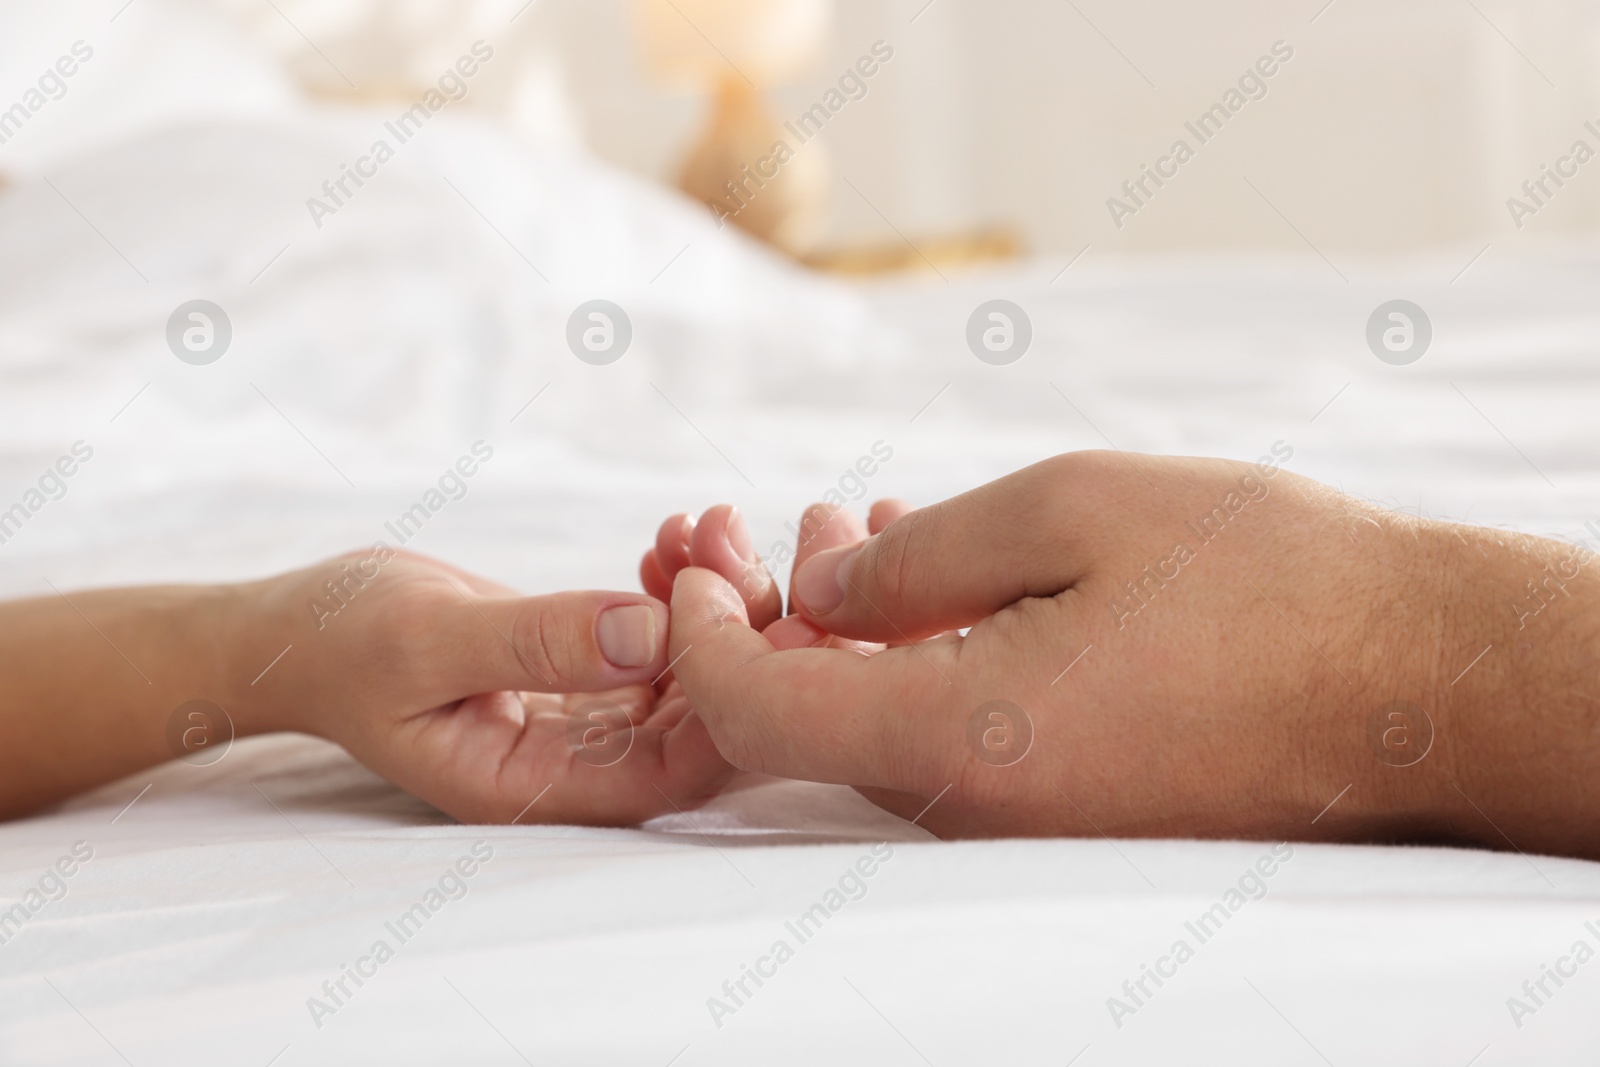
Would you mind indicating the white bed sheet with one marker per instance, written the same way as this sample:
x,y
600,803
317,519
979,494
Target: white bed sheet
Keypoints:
x,y
423,318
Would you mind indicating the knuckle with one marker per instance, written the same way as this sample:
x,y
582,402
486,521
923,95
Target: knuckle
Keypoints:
x,y
1060,480
1074,475
1056,499
543,645
1065,492
893,567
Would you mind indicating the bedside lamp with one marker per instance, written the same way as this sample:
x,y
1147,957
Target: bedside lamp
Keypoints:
x,y
745,166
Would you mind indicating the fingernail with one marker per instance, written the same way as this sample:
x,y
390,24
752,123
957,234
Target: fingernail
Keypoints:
x,y
627,635
820,585
739,537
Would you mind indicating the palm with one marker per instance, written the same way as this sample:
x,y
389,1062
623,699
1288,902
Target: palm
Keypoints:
x,y
608,758
436,665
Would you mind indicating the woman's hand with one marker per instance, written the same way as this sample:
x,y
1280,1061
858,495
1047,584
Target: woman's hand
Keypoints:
x,y
492,706
1175,647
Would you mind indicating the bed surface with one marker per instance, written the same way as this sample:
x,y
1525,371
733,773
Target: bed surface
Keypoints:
x,y
371,352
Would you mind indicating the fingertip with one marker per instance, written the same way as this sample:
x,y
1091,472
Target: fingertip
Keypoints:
x,y
722,544
672,543
653,578
885,511
634,635
700,594
813,520
825,525
712,546
820,582
792,631
711,634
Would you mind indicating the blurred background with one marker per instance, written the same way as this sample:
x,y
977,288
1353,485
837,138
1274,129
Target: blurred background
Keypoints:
x,y
807,213
995,127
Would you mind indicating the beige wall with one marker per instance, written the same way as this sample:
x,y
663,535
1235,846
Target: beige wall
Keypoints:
x,y
1397,124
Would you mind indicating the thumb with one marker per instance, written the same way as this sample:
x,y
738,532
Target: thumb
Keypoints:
x,y
1029,534
573,642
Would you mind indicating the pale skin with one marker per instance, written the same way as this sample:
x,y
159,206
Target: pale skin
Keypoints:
x,y
1234,695
451,686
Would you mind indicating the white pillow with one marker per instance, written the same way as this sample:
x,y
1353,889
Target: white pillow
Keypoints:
x,y
133,69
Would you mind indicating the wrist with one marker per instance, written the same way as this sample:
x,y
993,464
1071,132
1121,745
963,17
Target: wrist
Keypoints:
x,y
1521,718
232,625
1434,719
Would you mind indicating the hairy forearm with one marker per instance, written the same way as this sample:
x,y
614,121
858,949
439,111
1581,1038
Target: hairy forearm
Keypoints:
x,y
1526,716
90,680
1472,715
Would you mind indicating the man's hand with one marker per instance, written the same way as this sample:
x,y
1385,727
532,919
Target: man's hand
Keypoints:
x,y
1175,647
